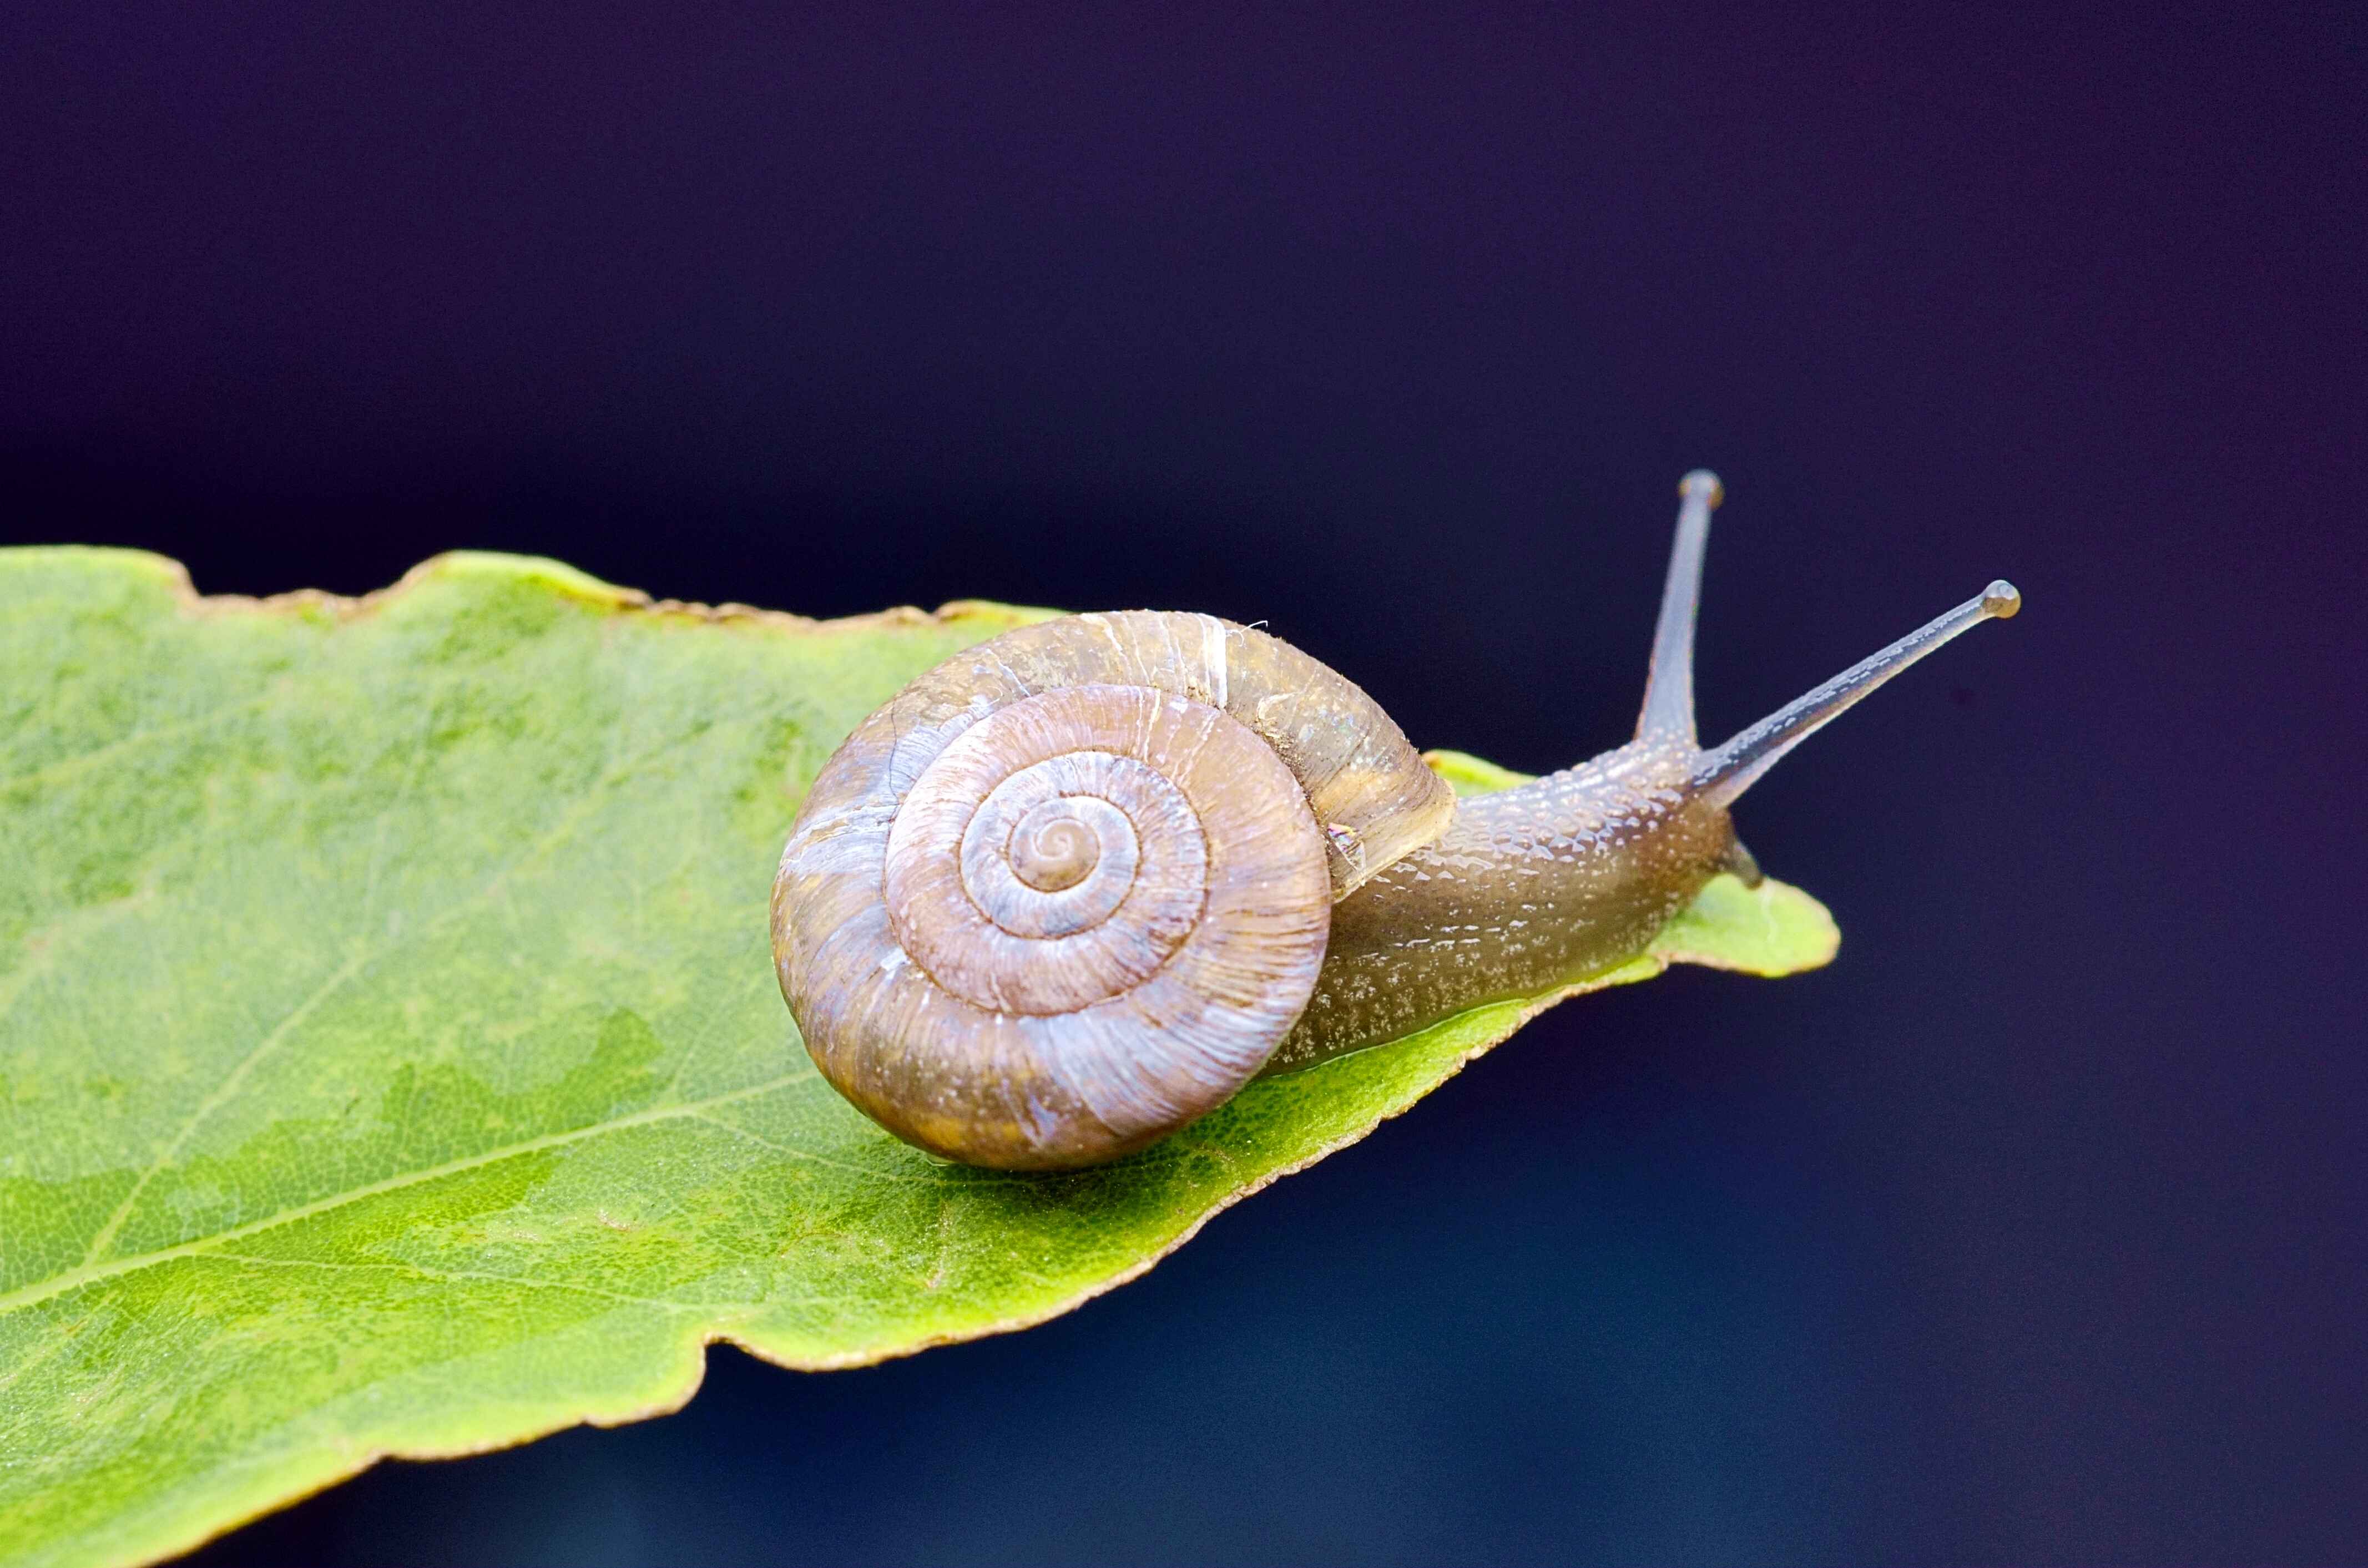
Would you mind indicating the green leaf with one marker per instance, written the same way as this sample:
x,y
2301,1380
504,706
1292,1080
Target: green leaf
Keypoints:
x,y
390,1060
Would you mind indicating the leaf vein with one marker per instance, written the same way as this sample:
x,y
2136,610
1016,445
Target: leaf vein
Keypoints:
x,y
223,1093
867,1173
455,1276
49,771
73,1278
543,843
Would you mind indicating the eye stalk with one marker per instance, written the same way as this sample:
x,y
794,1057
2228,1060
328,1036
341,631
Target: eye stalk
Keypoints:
x,y
1728,770
1723,773
1668,715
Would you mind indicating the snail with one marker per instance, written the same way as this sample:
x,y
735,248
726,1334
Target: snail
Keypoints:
x,y
1075,887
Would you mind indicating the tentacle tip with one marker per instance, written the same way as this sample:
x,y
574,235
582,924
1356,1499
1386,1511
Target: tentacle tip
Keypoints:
x,y
2000,600
1703,484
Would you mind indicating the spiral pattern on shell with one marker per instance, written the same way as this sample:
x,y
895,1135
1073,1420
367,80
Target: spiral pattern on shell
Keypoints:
x,y
1067,890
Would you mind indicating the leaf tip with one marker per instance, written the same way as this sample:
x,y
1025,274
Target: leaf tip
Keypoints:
x,y
1772,930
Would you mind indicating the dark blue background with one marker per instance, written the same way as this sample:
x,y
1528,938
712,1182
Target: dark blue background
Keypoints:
x,y
2031,1230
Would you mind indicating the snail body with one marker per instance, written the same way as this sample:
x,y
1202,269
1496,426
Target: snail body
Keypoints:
x,y
1073,888
1529,888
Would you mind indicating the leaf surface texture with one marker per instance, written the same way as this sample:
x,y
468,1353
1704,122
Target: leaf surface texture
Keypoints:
x,y
390,1060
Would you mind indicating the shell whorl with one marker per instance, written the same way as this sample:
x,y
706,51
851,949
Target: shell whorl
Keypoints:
x,y
1067,890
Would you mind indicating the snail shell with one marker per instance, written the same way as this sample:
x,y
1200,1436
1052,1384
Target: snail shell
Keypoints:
x,y
1067,890
1071,889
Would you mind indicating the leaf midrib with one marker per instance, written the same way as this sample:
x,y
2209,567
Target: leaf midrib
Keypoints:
x,y
73,1278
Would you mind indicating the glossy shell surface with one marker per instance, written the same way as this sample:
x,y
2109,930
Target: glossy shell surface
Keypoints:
x,y
1067,890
